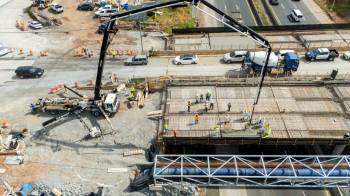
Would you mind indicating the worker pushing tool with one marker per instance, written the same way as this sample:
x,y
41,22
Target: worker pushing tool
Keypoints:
x,y
188,106
207,96
229,106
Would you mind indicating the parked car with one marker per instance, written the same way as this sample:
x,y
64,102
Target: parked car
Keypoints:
x,y
105,7
4,51
274,2
321,54
35,25
57,8
346,55
137,60
236,56
86,6
296,15
186,59
29,72
106,12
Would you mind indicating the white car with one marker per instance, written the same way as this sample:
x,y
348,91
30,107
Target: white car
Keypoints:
x,y
296,15
4,51
106,12
57,8
346,55
35,25
105,7
236,56
186,59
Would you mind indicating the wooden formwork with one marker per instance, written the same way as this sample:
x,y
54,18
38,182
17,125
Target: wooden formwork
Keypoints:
x,y
294,112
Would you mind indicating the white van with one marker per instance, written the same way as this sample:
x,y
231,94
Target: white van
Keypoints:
x,y
296,15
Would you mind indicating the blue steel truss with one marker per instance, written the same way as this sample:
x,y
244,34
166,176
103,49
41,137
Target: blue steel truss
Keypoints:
x,y
253,170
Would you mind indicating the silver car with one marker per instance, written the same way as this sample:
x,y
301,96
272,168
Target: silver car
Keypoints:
x,y
35,25
186,59
236,56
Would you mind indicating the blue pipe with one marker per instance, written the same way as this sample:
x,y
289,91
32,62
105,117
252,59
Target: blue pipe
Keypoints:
x,y
252,172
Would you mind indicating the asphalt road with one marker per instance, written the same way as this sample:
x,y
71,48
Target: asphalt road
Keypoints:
x,y
285,8
235,8
72,70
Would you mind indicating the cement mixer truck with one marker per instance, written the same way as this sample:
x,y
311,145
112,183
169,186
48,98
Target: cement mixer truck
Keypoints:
x,y
288,64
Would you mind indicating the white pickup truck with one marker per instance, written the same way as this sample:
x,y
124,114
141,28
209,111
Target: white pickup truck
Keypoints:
x,y
106,12
322,54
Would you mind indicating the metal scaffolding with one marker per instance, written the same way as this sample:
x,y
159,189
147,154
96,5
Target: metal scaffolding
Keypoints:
x,y
253,170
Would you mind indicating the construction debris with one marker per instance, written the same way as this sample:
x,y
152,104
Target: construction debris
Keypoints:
x,y
133,152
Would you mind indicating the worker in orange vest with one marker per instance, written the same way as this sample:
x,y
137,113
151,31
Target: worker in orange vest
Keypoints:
x,y
196,119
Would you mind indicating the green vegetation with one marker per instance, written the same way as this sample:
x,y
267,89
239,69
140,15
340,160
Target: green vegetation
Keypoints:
x,y
169,18
261,11
341,7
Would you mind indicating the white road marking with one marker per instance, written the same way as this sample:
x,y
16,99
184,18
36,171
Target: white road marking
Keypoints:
x,y
225,7
283,6
237,7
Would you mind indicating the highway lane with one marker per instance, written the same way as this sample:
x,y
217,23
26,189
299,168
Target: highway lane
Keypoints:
x,y
236,9
284,9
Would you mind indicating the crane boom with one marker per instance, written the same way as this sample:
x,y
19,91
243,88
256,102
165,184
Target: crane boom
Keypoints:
x,y
225,19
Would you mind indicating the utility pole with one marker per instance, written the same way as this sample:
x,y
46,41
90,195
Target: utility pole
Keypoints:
x,y
332,6
141,37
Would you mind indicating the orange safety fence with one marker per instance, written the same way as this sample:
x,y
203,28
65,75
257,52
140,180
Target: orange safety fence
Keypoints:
x,y
56,88
4,123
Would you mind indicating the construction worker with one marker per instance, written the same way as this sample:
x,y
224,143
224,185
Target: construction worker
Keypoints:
x,y
227,119
229,106
211,106
188,106
166,127
207,96
217,130
201,98
196,119
114,53
268,130
206,106
197,97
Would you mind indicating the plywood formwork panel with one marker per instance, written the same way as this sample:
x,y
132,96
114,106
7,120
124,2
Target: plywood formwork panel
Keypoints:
x,y
179,106
287,105
275,121
319,123
186,122
294,122
343,92
318,107
242,92
230,92
189,93
347,106
237,105
311,92
281,92
190,134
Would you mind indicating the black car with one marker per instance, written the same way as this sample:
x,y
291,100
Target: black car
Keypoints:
x,y
274,2
29,72
86,6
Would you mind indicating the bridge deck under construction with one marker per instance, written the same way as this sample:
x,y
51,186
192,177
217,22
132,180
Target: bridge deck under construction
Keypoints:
x,y
307,114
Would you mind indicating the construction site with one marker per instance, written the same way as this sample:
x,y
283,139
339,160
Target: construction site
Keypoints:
x,y
89,122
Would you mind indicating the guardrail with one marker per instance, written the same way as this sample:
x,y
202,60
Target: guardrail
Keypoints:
x,y
309,27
